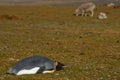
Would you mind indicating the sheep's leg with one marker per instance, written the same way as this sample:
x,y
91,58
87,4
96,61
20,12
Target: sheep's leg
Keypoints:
x,y
77,14
82,13
92,13
85,14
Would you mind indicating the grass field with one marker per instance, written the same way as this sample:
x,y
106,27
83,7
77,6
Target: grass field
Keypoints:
x,y
90,47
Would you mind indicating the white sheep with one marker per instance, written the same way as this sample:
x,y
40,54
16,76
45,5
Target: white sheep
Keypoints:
x,y
85,9
102,15
110,5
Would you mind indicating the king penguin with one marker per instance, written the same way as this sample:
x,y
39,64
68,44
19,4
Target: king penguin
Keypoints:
x,y
35,65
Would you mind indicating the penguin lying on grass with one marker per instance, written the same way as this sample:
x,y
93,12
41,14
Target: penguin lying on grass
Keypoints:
x,y
35,65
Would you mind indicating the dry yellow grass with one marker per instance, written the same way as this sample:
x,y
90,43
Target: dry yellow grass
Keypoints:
x,y
91,47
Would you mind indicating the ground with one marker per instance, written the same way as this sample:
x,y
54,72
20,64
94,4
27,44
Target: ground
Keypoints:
x,y
89,46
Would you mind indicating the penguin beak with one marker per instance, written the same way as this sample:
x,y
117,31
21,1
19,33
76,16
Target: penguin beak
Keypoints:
x,y
60,66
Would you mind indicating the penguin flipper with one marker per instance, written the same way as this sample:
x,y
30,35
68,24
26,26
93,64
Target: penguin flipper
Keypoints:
x,y
41,70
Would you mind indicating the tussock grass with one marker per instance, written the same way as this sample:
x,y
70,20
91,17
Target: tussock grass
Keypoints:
x,y
91,47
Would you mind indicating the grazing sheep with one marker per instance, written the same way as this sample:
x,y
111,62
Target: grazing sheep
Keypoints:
x,y
85,9
110,5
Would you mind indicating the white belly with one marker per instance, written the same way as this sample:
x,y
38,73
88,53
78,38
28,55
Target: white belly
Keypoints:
x,y
30,71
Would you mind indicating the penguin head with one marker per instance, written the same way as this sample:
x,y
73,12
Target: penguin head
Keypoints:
x,y
59,66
